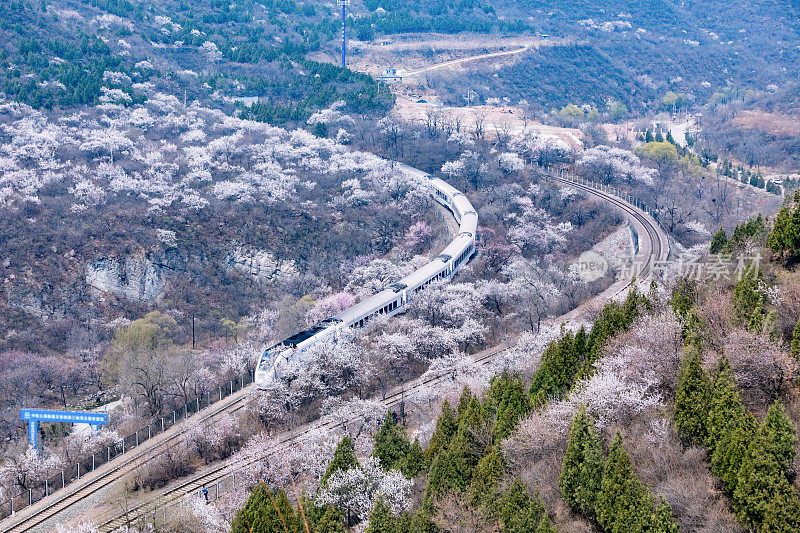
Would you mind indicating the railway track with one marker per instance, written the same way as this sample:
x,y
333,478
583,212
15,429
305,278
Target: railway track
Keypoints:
x,y
213,475
91,483
658,238
657,250
44,511
36,515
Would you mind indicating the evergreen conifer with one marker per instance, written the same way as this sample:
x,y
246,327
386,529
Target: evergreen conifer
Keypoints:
x,y
691,398
582,470
344,458
391,444
623,502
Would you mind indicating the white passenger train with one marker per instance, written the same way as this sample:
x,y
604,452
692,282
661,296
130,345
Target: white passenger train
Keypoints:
x,y
396,296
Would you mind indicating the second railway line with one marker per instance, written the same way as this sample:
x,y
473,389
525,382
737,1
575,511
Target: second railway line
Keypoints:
x,y
658,248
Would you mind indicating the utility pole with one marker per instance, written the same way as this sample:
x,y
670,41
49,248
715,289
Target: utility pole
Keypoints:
x,y
343,4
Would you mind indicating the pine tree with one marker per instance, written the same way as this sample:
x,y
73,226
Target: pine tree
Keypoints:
x,y
760,481
781,435
546,525
418,522
463,402
783,512
264,512
344,458
725,407
513,501
691,398
391,444
534,517
613,319
582,468
623,502
327,519
683,297
648,137
508,396
796,341
784,239
731,450
381,519
472,415
661,520
543,386
580,346
557,369
718,242
488,474
519,513
631,307
414,462
446,426
453,468
749,301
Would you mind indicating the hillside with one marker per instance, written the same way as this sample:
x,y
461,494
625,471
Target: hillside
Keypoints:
x,y
58,53
196,197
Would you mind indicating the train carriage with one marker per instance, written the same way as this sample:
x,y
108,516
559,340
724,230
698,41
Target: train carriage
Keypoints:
x,y
396,296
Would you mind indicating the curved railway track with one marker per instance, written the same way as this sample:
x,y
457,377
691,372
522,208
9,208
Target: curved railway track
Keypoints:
x,y
659,242
46,510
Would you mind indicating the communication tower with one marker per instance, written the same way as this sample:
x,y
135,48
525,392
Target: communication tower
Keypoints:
x,y
343,4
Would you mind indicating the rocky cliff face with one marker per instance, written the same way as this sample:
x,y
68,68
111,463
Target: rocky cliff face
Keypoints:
x,y
142,278
258,264
136,278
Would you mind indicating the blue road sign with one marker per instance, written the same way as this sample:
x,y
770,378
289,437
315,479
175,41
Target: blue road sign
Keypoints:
x,y
34,416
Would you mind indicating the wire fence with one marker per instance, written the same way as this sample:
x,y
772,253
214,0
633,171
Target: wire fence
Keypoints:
x,y
90,463
211,493
130,442
569,175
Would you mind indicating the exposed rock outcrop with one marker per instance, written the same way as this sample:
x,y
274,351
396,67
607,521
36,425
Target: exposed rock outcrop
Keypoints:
x,y
136,278
259,264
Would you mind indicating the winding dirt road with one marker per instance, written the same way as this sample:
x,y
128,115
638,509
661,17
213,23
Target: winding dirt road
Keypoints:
x,y
461,61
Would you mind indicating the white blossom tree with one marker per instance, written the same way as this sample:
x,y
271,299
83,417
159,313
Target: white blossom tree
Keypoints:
x,y
510,163
608,165
356,490
28,470
540,149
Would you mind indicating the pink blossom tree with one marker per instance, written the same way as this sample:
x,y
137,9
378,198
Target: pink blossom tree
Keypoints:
x,y
329,306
